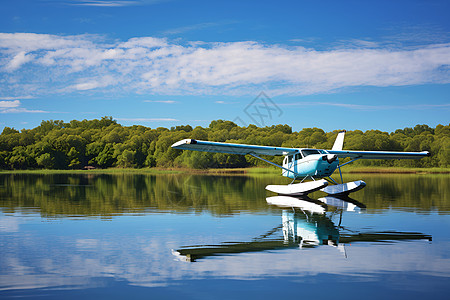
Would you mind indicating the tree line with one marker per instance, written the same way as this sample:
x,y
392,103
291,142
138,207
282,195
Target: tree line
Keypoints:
x,y
104,143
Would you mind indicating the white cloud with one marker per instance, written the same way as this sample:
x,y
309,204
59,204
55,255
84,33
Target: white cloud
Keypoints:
x,y
146,42
18,60
103,3
16,98
93,83
22,110
13,106
111,3
225,102
9,104
155,65
161,101
85,86
16,42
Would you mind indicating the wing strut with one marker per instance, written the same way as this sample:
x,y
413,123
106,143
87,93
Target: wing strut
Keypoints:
x,y
348,162
272,163
340,173
339,167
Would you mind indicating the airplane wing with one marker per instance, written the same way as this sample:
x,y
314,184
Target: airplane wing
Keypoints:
x,y
379,154
242,149
339,142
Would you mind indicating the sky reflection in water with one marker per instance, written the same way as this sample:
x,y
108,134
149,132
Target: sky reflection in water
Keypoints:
x,y
135,235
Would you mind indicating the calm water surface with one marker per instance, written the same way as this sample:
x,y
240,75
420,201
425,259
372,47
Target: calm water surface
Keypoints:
x,y
216,237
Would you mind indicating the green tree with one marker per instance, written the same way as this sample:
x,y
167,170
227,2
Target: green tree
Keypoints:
x,y
443,155
105,158
20,159
74,158
46,161
126,158
150,161
7,130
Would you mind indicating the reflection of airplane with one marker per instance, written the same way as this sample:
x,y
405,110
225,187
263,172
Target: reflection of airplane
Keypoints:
x,y
305,224
341,202
303,163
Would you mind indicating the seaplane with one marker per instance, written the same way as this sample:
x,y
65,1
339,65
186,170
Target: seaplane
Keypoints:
x,y
312,167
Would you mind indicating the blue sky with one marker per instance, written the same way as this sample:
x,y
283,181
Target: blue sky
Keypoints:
x,y
329,64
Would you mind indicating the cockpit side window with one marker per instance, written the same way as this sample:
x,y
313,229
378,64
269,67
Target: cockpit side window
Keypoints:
x,y
309,152
298,156
290,158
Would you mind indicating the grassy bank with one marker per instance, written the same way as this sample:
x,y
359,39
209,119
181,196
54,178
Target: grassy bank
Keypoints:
x,y
345,170
150,171
100,171
235,171
394,170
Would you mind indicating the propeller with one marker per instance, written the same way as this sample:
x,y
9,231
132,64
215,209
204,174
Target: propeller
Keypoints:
x,y
329,158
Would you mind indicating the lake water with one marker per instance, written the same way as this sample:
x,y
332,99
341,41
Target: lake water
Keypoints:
x,y
216,237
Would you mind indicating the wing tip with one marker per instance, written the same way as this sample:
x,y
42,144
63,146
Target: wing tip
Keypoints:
x,y
184,142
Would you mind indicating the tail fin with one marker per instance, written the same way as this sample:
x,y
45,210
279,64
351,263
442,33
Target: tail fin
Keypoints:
x,y
339,142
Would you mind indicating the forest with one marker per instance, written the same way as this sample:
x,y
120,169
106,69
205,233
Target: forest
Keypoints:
x,y
105,143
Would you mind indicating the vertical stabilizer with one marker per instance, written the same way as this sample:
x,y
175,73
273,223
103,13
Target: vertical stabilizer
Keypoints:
x,y
339,142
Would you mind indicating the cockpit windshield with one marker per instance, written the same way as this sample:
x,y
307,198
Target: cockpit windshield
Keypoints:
x,y
307,152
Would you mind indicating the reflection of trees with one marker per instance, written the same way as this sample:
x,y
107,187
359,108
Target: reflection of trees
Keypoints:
x,y
418,192
105,195
111,194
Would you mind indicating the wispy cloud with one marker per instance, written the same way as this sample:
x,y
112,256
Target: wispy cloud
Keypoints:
x,y
92,83
110,3
16,98
161,101
415,34
195,27
18,60
225,102
369,107
66,64
22,110
14,106
104,3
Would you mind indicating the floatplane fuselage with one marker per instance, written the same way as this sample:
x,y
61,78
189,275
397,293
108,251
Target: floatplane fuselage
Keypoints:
x,y
310,163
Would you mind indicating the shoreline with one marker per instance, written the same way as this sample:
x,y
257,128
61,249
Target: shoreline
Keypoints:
x,y
233,171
